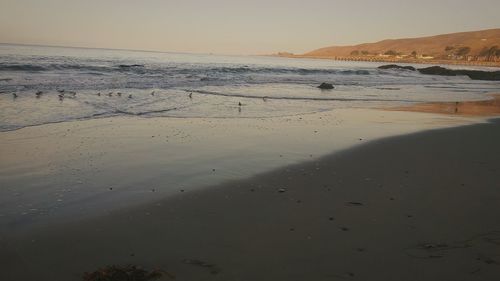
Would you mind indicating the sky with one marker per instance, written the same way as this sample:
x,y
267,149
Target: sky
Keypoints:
x,y
235,26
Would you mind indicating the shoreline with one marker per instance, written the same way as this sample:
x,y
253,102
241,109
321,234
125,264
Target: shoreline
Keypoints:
x,y
431,218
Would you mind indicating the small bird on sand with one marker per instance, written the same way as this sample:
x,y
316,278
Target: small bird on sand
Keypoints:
x,y
60,91
61,97
153,93
239,104
190,95
99,94
38,94
119,94
110,94
129,96
14,95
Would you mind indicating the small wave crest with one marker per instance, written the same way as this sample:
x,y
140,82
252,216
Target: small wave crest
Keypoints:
x,y
301,98
178,69
21,67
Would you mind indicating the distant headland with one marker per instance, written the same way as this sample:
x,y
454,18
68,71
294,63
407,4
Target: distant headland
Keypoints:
x,y
465,48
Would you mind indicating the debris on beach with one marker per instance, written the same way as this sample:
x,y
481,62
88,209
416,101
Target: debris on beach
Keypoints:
x,y
487,260
212,267
282,190
352,203
347,275
326,86
125,273
435,250
432,246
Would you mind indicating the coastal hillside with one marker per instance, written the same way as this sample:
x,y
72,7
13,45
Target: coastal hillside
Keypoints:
x,y
476,45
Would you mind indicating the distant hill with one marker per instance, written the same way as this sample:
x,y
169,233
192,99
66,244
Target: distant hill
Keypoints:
x,y
475,45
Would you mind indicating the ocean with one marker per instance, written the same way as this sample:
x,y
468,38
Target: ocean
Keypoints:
x,y
79,84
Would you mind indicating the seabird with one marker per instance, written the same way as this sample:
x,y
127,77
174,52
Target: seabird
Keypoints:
x,y
239,104
190,95
119,94
38,94
99,94
14,95
110,94
61,96
153,93
129,96
61,91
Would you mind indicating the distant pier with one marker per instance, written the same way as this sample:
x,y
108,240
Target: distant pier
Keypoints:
x,y
400,60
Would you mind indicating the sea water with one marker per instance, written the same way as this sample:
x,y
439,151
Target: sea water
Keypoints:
x,y
78,83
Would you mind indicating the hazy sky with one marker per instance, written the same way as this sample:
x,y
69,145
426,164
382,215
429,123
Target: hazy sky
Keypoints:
x,y
235,26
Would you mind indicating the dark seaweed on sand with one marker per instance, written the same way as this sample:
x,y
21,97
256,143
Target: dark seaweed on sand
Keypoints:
x,y
123,273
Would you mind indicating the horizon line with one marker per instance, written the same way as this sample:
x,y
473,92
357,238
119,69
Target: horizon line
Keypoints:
x,y
121,49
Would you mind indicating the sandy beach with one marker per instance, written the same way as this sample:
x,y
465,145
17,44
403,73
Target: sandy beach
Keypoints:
x,y
421,206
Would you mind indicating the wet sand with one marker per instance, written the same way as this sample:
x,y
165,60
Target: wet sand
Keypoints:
x,y
70,170
423,206
473,108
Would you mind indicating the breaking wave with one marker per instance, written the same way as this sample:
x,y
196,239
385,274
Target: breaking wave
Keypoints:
x,y
179,69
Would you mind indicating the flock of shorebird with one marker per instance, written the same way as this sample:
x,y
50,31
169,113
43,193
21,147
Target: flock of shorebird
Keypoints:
x,y
63,93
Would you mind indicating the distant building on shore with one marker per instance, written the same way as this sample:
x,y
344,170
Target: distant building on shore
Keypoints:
x,y
425,57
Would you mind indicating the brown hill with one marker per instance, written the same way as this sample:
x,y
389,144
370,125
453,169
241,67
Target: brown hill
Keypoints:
x,y
436,46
